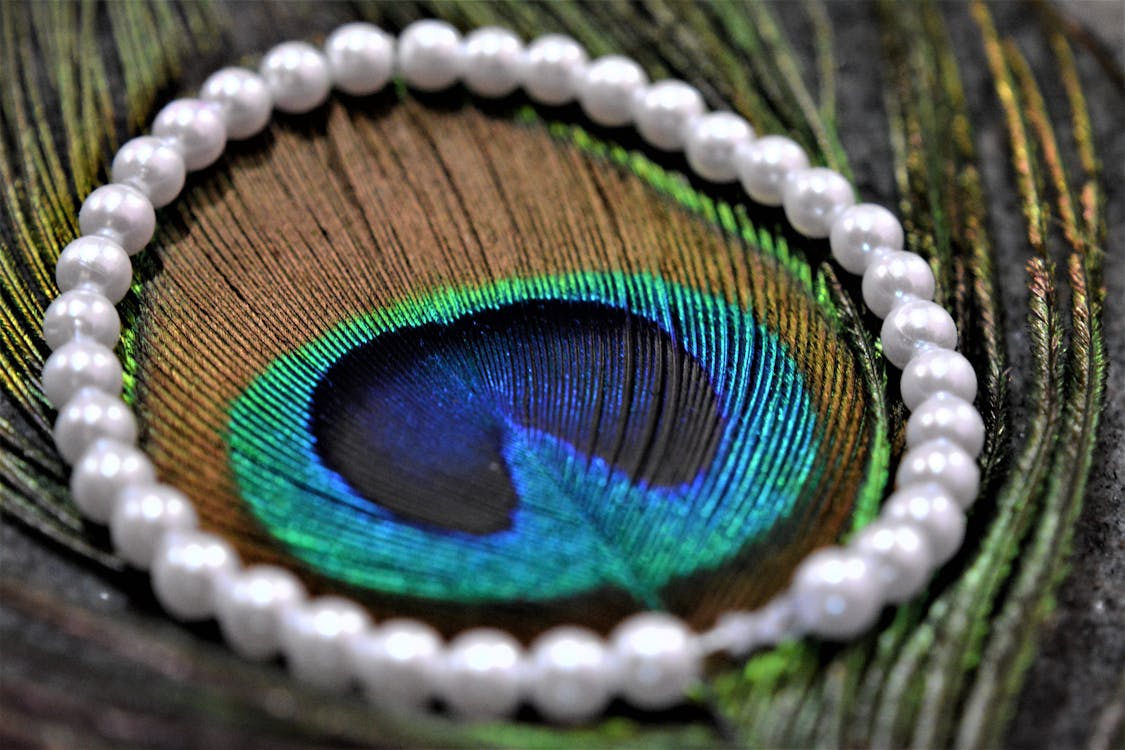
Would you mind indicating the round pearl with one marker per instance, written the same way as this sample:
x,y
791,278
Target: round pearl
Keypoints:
x,y
663,110
361,58
571,674
944,415
894,277
739,633
81,314
397,663
248,606
89,415
80,364
608,88
142,514
942,462
429,54
152,166
195,128
243,98
930,508
105,469
490,61
296,75
120,213
185,566
902,555
861,230
553,66
813,198
913,326
711,142
482,674
657,659
765,164
936,370
314,638
836,593
96,264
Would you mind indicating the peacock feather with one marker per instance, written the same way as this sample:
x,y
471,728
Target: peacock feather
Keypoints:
x,y
474,363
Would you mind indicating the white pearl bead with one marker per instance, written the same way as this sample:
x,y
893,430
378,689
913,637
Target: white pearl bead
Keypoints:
x,y
861,230
195,128
663,110
943,462
80,364
944,415
361,58
553,67
893,277
120,213
813,198
739,633
152,166
429,55
296,74
105,469
608,88
142,514
81,314
248,606
185,566
482,674
912,327
836,593
96,264
711,142
657,659
243,98
490,61
902,555
398,664
571,674
765,164
930,508
935,370
314,638
89,415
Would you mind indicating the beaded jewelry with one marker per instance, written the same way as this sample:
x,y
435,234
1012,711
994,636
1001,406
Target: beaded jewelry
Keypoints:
x,y
569,673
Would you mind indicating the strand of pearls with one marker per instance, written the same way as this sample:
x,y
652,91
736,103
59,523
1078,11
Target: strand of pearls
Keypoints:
x,y
570,673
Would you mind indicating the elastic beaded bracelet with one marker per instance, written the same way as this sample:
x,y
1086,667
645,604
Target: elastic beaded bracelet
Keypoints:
x,y
569,673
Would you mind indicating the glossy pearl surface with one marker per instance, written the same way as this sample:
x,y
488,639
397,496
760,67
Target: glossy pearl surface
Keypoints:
x,y
572,676
491,60
185,567
195,128
398,664
608,89
361,58
90,415
141,516
81,314
860,231
429,55
96,264
902,554
121,213
893,277
80,364
244,101
765,164
711,142
836,593
104,469
249,604
663,110
314,638
152,166
930,508
657,659
296,74
937,370
553,66
482,674
943,462
945,415
813,198
913,326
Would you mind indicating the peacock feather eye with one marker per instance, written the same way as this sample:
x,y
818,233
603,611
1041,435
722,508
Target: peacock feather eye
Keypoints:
x,y
399,392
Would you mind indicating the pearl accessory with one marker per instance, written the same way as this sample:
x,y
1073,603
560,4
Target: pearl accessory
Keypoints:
x,y
569,674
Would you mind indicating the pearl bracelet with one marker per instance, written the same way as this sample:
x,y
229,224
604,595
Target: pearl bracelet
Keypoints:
x,y
569,674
